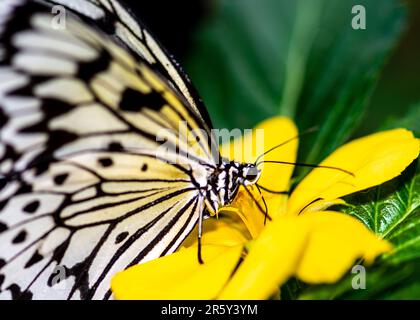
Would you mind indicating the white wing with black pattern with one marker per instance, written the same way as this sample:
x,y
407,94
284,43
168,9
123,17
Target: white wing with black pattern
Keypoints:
x,y
117,21
86,188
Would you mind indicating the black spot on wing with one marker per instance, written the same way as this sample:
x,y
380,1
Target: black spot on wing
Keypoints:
x,y
36,257
59,137
3,204
24,188
3,118
18,294
53,108
19,21
115,146
31,207
144,167
3,227
133,100
88,70
2,263
56,139
20,237
107,23
3,183
105,162
121,237
61,178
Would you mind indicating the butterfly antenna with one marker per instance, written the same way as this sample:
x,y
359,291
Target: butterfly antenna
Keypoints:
x,y
306,206
310,130
272,191
299,164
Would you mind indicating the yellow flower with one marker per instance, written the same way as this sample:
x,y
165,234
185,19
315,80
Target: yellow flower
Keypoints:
x,y
245,259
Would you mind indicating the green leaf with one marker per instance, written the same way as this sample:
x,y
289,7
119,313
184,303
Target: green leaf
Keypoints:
x,y
291,289
255,59
392,211
383,281
411,121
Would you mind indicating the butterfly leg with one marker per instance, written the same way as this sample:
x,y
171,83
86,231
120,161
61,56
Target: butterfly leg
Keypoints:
x,y
200,233
265,204
265,212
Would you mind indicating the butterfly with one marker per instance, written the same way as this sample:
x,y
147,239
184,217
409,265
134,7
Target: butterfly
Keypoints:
x,y
107,156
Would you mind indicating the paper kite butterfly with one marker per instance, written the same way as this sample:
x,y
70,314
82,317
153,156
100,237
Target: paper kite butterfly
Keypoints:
x,y
88,181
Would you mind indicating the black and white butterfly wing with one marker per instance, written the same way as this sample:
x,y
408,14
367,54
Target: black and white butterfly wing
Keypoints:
x,y
101,161
117,21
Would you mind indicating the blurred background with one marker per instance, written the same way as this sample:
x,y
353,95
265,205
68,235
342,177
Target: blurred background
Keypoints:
x,y
244,59
176,23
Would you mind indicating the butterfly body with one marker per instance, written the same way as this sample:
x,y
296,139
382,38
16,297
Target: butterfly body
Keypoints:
x,y
225,180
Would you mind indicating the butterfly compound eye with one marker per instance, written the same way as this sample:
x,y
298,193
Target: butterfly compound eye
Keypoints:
x,y
252,174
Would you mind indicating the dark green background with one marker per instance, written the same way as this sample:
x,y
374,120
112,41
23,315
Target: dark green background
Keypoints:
x,y
176,22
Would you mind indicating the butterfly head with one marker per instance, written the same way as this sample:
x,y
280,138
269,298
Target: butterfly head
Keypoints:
x,y
250,174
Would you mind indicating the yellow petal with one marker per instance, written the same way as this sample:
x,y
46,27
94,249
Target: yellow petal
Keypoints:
x,y
179,275
272,259
318,247
227,230
334,243
373,160
245,208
